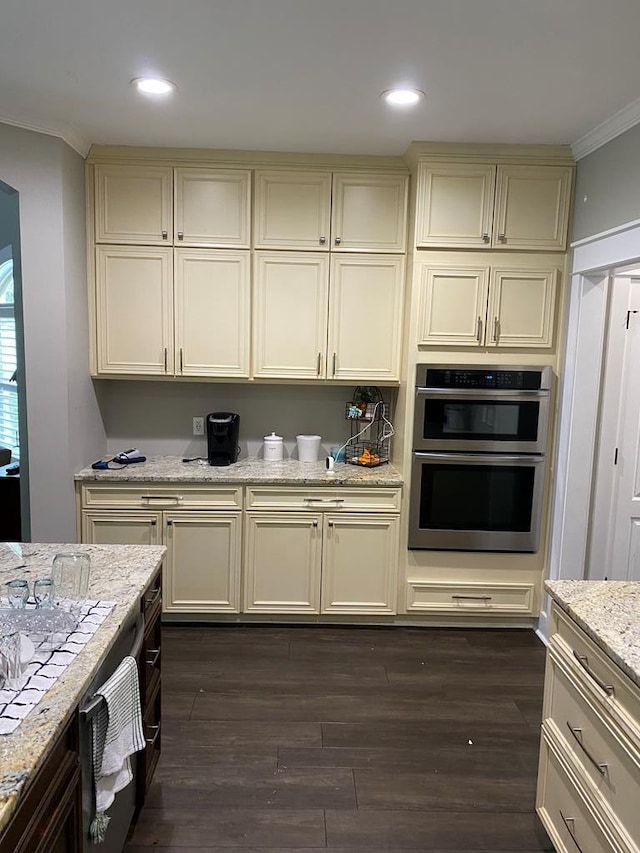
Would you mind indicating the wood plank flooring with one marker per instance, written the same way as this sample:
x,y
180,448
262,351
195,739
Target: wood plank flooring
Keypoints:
x,y
299,739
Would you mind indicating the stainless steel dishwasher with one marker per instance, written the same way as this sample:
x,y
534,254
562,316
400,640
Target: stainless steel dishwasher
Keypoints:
x,y
121,812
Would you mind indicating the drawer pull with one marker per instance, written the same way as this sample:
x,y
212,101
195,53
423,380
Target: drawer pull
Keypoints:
x,y
175,499
584,663
472,597
156,730
577,734
154,594
570,823
325,500
154,659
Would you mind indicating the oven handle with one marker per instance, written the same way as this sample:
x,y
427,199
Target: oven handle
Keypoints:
x,y
481,457
483,393
92,706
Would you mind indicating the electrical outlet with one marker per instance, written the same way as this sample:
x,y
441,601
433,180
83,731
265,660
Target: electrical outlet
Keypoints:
x,y
198,426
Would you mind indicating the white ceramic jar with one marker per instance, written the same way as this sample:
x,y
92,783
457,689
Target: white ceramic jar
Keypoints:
x,y
308,447
273,448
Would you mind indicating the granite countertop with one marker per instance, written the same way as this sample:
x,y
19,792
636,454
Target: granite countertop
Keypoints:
x,y
165,469
118,573
609,612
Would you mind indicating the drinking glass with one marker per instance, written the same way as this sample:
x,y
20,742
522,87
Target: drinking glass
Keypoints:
x,y
17,592
43,591
10,665
70,575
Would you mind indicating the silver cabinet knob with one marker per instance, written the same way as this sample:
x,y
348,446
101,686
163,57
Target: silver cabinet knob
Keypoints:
x,y
180,235
502,238
338,240
323,240
486,238
164,235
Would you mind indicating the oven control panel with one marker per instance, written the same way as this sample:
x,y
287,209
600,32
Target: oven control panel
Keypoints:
x,y
504,379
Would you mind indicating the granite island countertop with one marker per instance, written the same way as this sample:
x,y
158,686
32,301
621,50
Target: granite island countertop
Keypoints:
x,y
119,573
171,469
609,612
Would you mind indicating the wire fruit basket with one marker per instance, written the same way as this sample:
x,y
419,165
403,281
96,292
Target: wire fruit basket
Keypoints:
x,y
369,454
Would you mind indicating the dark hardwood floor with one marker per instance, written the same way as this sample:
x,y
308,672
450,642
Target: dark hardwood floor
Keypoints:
x,y
355,739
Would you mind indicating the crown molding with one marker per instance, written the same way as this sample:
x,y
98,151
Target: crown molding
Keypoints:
x,y
73,139
618,123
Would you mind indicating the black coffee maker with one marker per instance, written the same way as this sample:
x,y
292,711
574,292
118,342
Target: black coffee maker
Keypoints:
x,y
222,437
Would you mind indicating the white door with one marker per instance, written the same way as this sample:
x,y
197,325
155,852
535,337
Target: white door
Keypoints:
x,y
292,210
212,207
133,204
369,213
453,305
625,531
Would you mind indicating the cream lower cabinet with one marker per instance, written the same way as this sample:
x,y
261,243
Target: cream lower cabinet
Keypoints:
x,y
589,767
310,552
312,320
204,545
469,304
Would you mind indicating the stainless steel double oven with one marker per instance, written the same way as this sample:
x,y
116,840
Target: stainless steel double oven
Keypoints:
x,y
479,444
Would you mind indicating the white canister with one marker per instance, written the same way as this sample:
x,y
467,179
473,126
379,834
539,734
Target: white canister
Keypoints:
x,y
273,448
308,447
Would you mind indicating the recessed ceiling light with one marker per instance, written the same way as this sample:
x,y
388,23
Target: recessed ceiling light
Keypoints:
x,y
402,97
153,85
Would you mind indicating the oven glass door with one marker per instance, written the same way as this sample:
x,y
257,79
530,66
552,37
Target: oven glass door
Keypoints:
x,y
491,423
475,502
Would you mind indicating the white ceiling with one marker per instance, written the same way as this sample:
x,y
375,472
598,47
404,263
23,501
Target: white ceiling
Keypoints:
x,y
305,75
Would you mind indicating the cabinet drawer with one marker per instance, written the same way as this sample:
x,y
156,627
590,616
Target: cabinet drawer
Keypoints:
x,y
158,496
571,824
321,498
148,758
492,599
601,678
605,754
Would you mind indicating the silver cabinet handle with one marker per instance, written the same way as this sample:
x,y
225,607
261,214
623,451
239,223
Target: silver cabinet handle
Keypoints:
x,y
324,500
601,767
472,597
334,364
181,359
330,523
153,522
323,240
584,663
338,240
496,329
154,660
166,359
180,235
479,330
486,237
502,238
154,593
319,362
164,498
152,741
570,823
314,523
164,235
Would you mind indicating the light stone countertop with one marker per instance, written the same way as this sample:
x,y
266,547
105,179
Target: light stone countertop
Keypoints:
x,y
119,573
166,469
609,612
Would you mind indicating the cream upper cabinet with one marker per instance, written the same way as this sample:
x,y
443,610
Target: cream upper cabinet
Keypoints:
x,y
282,562
212,295
133,204
359,561
492,206
290,296
292,210
134,310
487,306
365,317
369,213
455,205
212,207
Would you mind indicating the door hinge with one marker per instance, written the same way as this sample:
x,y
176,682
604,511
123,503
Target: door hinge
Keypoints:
x,y
629,313
615,457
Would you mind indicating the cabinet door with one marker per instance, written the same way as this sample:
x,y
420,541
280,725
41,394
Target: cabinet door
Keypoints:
x,y
365,317
133,204
202,568
369,213
359,564
212,207
532,207
455,205
212,312
292,210
290,315
521,307
134,310
282,562
453,305
121,528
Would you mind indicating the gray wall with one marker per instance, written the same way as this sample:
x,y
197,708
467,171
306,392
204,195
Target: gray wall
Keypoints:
x,y
63,420
610,180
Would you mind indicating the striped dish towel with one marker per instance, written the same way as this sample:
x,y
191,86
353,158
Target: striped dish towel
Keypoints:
x,y
117,735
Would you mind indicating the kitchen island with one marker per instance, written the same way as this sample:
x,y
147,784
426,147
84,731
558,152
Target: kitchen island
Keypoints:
x,y
588,781
118,573
255,539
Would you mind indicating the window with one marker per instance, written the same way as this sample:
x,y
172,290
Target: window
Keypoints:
x,y
9,436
